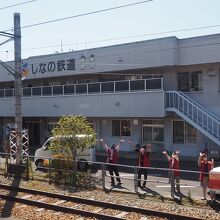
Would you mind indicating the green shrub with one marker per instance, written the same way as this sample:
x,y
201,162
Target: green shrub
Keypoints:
x,y
61,172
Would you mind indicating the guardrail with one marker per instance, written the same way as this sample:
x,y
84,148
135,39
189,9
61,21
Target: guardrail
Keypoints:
x,y
169,180
88,88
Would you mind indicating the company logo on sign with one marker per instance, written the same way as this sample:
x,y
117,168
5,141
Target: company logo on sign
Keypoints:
x,y
91,62
24,70
82,62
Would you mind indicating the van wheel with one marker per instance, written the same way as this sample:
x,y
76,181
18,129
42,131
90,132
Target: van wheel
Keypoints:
x,y
39,164
82,165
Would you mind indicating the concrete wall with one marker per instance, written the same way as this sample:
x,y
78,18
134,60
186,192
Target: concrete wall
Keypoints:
x,y
210,96
144,54
162,52
199,50
135,104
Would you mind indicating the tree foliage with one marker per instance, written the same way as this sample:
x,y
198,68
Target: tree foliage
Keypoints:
x,y
72,133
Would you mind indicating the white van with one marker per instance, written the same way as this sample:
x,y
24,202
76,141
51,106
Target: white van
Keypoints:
x,y
84,157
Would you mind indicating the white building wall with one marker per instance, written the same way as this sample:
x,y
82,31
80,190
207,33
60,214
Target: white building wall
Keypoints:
x,y
133,104
210,96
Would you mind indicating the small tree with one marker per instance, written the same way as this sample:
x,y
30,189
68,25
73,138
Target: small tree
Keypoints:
x,y
72,132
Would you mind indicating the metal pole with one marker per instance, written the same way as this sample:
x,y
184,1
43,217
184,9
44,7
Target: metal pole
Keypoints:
x,y
172,183
18,85
135,180
103,175
50,181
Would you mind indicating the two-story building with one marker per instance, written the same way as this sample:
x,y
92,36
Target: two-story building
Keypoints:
x,y
163,91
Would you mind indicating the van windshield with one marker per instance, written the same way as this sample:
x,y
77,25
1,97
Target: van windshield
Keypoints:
x,y
47,144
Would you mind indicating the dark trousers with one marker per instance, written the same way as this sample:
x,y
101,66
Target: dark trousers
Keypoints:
x,y
175,182
144,172
113,169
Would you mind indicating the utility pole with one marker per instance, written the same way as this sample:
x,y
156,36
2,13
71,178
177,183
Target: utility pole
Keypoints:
x,y
18,81
18,86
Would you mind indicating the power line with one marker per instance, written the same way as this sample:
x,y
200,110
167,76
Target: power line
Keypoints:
x,y
127,37
22,3
85,14
111,39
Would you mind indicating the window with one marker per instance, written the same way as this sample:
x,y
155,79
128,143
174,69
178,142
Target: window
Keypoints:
x,y
190,134
153,130
183,133
178,132
121,128
189,81
53,83
151,76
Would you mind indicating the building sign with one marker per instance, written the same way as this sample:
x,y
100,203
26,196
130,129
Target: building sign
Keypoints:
x,y
52,66
62,65
92,61
82,60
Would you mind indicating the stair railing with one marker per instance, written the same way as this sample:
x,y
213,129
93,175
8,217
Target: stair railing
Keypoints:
x,y
178,101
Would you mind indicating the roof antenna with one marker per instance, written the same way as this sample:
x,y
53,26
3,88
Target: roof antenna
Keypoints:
x,y
61,46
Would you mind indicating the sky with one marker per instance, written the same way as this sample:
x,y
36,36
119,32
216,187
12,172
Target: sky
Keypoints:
x,y
128,24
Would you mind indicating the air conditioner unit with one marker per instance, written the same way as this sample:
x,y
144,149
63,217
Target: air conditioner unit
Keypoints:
x,y
135,121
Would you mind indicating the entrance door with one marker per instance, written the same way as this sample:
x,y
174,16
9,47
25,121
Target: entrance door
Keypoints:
x,y
34,135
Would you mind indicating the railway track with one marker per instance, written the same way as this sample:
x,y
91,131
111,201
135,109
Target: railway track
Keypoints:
x,y
78,205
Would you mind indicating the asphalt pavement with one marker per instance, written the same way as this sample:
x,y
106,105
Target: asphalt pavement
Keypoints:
x,y
158,181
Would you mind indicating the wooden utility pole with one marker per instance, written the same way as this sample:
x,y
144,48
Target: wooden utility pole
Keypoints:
x,y
18,86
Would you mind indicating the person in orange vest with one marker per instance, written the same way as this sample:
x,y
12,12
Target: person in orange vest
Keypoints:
x,y
205,166
174,166
112,159
143,161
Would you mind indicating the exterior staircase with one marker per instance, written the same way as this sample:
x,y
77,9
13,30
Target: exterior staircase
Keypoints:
x,y
194,113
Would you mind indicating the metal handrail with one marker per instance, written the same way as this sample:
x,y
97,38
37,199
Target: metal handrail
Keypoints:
x,y
193,102
208,122
86,85
133,169
199,106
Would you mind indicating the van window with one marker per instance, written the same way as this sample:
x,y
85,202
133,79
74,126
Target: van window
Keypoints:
x,y
46,145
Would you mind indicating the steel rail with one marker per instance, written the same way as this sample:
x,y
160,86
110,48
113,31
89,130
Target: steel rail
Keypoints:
x,y
59,208
129,209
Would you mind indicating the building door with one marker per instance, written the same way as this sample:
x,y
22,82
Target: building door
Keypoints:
x,y
34,135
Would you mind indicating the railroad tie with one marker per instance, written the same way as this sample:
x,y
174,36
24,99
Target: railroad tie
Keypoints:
x,y
27,196
59,202
41,209
77,206
122,214
98,210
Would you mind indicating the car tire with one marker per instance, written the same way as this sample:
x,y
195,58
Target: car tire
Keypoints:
x,y
39,164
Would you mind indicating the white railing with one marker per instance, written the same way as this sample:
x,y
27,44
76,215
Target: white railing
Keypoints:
x,y
194,113
89,88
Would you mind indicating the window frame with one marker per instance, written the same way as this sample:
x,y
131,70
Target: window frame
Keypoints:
x,y
190,81
185,133
152,126
120,128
